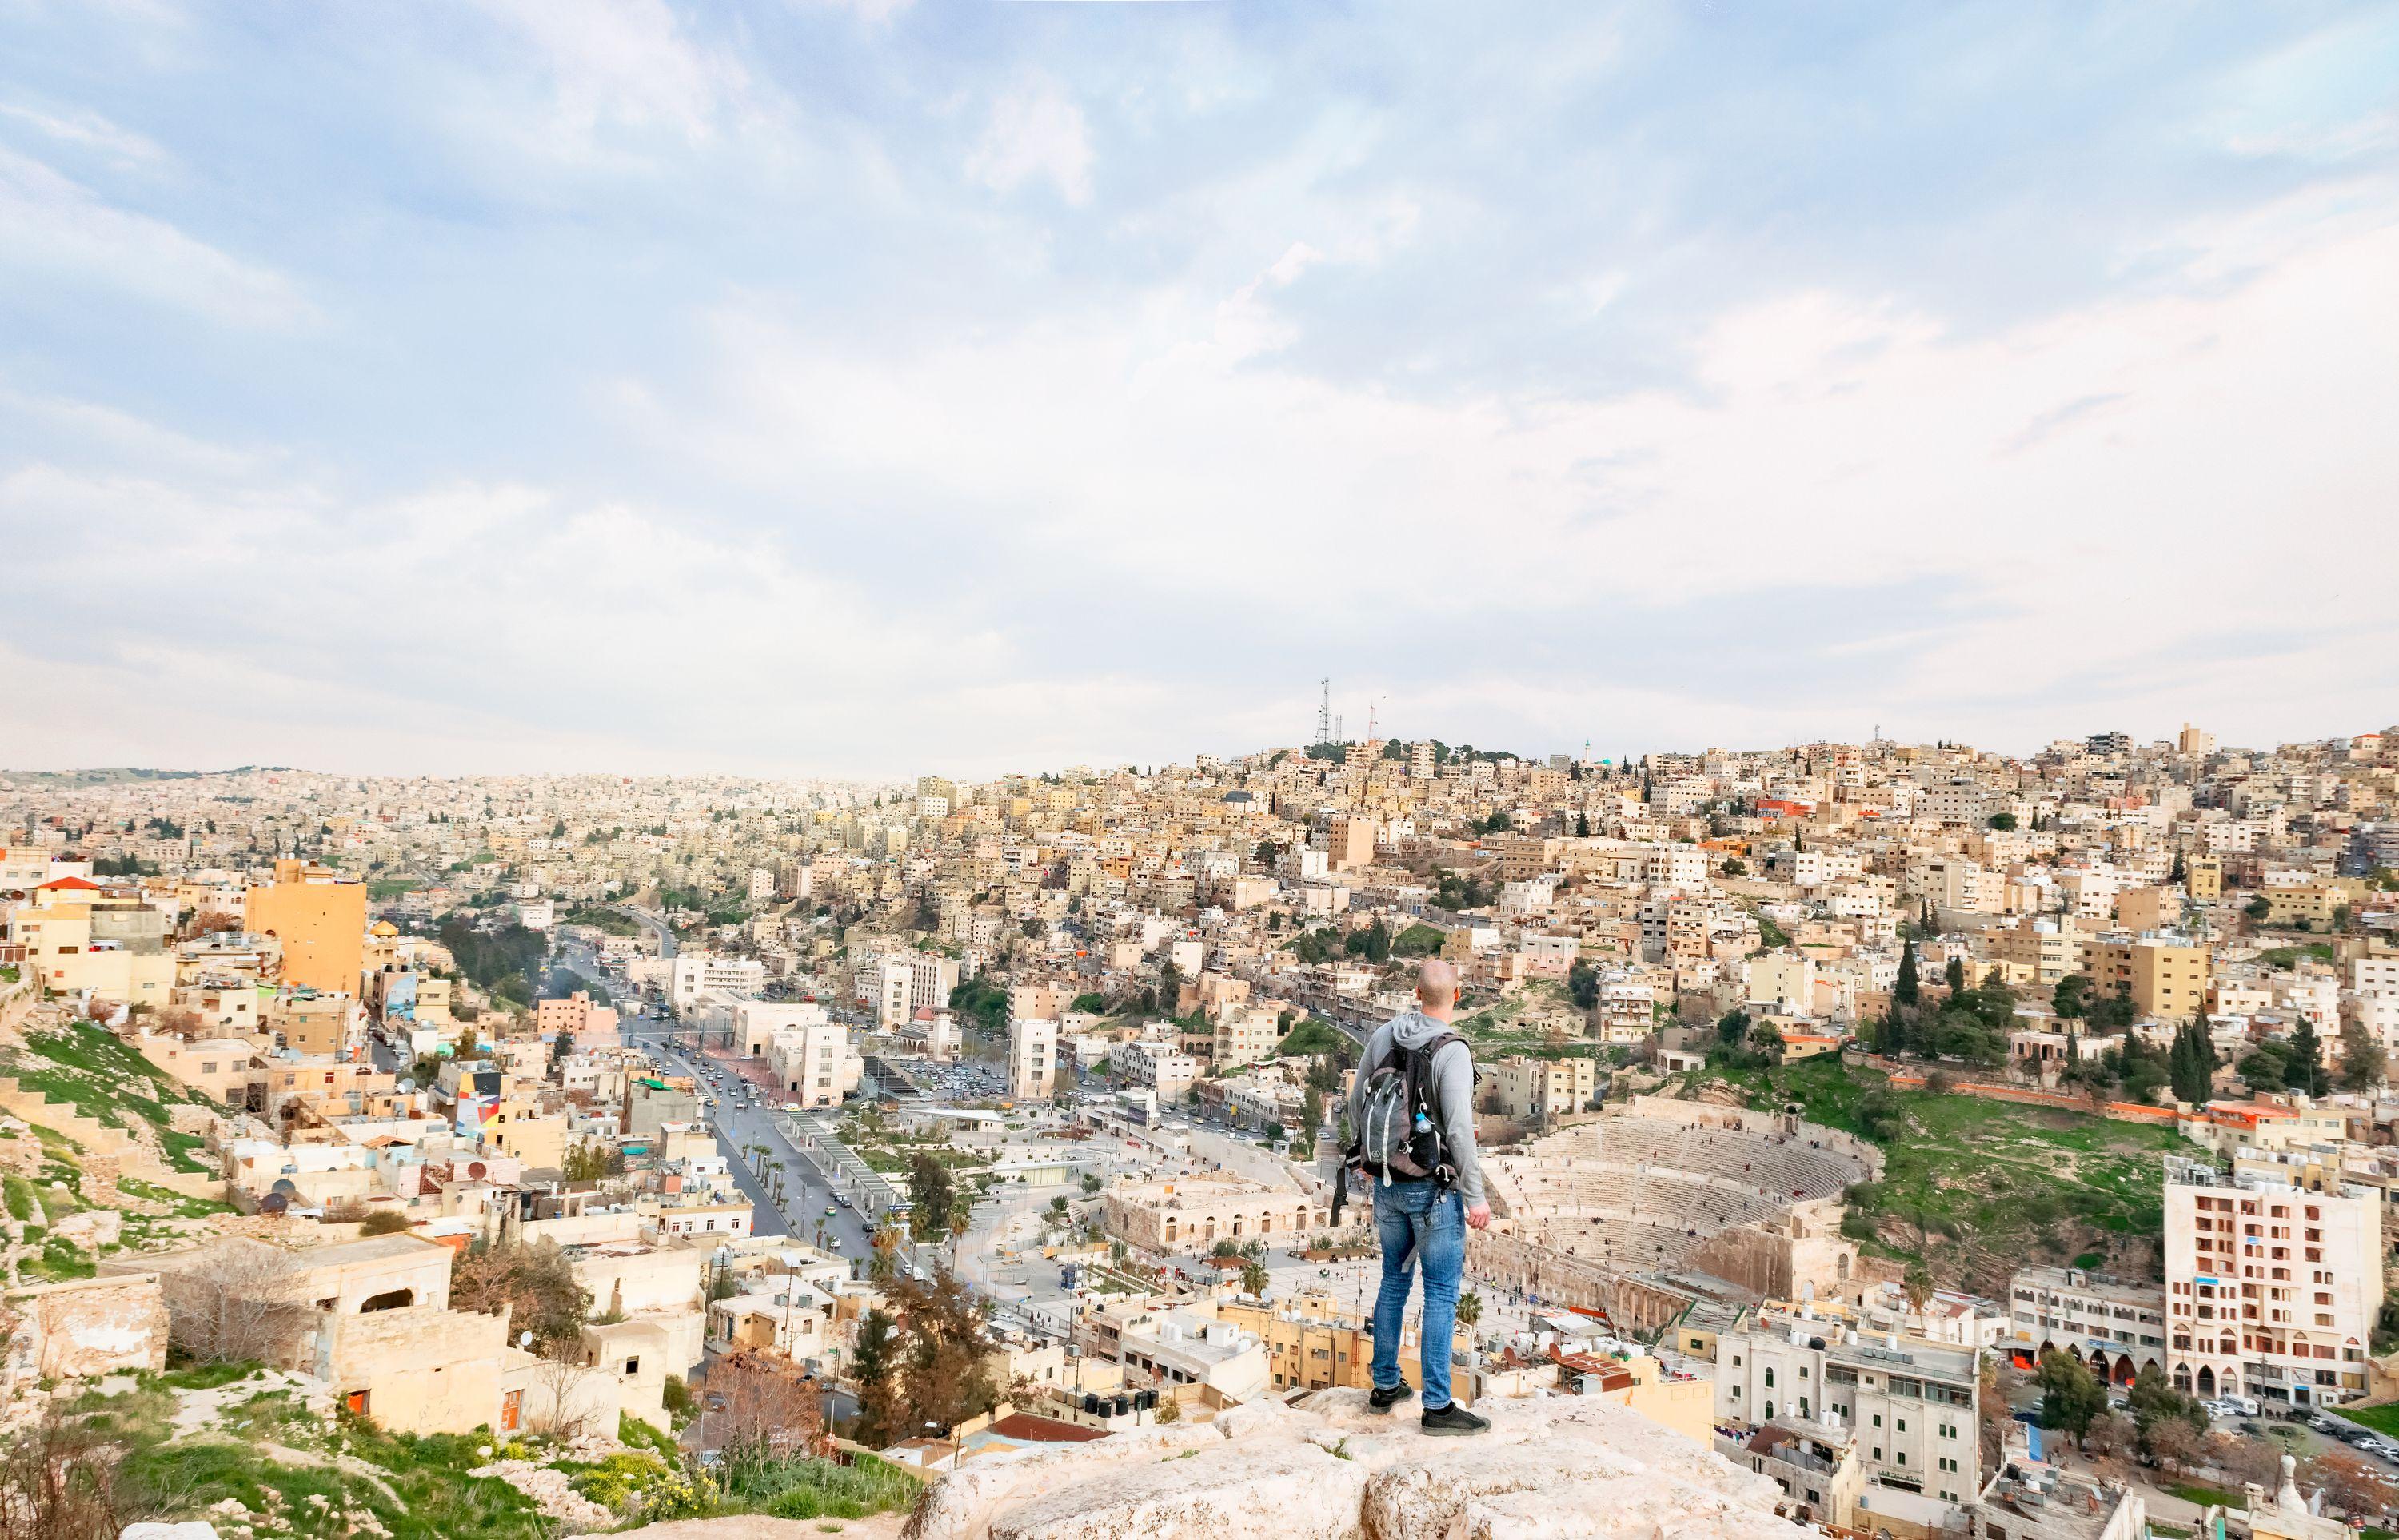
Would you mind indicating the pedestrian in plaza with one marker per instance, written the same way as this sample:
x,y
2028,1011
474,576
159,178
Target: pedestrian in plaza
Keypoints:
x,y
1412,1125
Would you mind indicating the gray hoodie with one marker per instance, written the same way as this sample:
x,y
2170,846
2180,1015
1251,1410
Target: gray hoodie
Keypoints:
x,y
1453,1089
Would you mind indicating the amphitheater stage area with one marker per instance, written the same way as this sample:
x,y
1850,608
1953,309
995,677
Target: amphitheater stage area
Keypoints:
x,y
1642,1211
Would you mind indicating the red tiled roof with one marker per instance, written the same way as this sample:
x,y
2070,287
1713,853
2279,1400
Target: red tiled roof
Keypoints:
x,y
79,884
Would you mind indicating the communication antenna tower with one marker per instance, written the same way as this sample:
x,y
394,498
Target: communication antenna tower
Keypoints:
x,y
1337,731
1370,719
1324,712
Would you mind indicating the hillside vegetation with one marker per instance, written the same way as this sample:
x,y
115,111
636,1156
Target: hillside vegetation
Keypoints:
x,y
108,1081
1974,1189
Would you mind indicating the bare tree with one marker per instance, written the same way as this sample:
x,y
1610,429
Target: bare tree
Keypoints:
x,y
58,1481
560,1372
237,1303
770,1409
2353,1483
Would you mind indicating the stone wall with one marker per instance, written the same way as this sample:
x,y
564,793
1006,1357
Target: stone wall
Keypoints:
x,y
423,1369
84,1328
1803,1254
1636,1306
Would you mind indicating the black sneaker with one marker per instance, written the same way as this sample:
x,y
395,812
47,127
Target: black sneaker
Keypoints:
x,y
1454,1422
1383,1400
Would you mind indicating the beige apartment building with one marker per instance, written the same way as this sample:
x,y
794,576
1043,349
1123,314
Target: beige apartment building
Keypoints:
x,y
2036,951
306,1022
2141,910
2272,1289
1528,1089
1349,843
2164,978
1245,1034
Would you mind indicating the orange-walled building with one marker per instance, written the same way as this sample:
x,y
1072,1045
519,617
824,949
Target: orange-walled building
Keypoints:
x,y
321,921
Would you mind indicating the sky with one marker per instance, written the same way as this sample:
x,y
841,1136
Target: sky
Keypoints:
x,y
795,386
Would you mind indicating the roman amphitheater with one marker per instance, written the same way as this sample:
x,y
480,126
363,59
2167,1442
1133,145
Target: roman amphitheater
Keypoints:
x,y
1641,1212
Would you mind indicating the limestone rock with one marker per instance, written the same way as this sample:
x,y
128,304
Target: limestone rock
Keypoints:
x,y
1327,1468
91,1228
1297,1491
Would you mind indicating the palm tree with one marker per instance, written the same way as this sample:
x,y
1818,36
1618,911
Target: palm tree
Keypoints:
x,y
1254,1279
1919,1287
1470,1309
959,1225
886,1242
819,1234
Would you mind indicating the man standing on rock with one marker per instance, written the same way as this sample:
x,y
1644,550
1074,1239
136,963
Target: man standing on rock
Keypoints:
x,y
1412,1125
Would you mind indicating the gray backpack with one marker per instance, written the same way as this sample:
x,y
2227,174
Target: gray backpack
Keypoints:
x,y
1400,1133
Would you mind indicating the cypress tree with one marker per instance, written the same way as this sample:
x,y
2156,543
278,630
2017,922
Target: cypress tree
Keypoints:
x,y
2307,1071
1905,992
1955,975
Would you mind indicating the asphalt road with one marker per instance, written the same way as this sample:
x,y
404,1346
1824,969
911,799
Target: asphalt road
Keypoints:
x,y
643,916
737,1128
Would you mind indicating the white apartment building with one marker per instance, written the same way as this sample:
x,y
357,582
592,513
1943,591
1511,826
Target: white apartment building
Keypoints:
x,y
1674,865
1031,1057
2271,1288
1158,1065
750,1025
931,977
2114,1328
1912,1403
1626,1013
894,987
818,1063
689,974
1958,802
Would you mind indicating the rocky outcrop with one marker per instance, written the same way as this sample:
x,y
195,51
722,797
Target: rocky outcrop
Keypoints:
x,y
1328,1469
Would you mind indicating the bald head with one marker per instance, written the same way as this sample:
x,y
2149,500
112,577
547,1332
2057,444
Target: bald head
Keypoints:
x,y
1437,989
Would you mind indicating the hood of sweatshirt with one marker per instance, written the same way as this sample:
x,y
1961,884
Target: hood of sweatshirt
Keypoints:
x,y
1413,1028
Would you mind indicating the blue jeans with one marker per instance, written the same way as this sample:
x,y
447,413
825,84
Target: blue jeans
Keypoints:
x,y
1418,1224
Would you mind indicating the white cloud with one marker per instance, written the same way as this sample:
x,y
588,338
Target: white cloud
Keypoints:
x,y
2078,483
1036,134
52,224
610,65
89,130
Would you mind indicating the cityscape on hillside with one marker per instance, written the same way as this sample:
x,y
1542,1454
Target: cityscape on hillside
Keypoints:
x,y
981,770
1910,1124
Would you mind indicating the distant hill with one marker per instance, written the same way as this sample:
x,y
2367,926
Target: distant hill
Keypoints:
x,y
114,774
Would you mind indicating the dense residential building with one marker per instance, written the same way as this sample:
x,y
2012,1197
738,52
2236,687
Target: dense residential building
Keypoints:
x,y
1911,1402
2272,1288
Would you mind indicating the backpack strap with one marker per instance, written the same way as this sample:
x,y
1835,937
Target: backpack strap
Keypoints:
x,y
1421,1096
